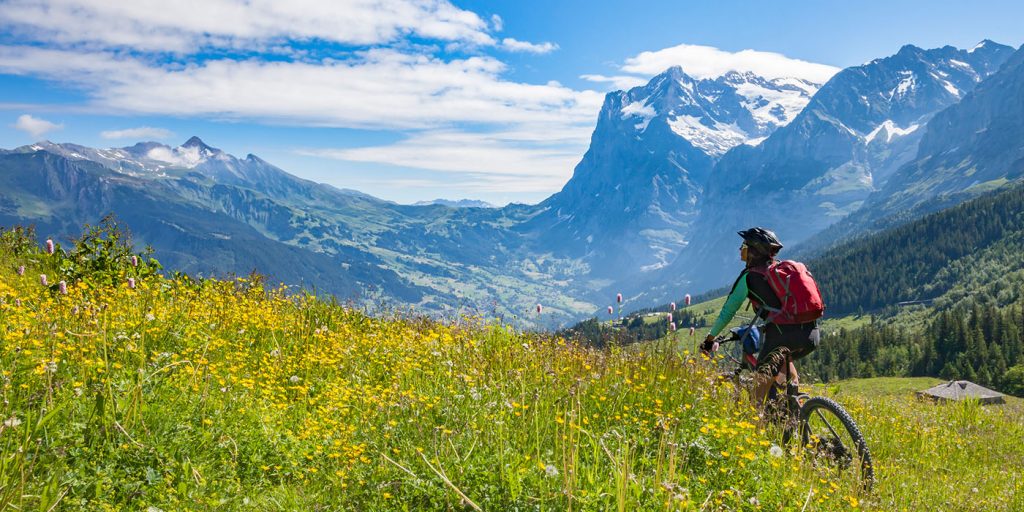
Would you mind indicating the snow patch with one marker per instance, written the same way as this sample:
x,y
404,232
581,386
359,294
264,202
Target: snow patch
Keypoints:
x,y
714,140
638,109
907,84
890,130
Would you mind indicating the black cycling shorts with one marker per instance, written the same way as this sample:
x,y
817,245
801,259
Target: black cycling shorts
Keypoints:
x,y
796,340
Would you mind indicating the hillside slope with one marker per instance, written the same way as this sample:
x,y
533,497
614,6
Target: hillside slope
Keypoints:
x,y
177,394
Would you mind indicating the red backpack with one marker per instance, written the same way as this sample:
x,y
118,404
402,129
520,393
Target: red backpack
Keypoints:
x,y
796,290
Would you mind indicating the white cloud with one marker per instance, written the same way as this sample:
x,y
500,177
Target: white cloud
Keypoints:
x,y
140,133
622,82
532,154
35,126
185,25
523,46
390,71
710,62
380,89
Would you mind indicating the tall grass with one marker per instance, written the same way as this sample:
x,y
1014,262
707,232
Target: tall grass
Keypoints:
x,y
199,395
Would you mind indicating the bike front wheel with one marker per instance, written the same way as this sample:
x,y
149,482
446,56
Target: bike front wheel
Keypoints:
x,y
833,440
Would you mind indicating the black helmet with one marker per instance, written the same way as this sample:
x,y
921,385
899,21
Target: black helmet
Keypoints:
x,y
761,240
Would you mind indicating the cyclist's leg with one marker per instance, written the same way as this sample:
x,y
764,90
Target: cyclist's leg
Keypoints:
x,y
770,363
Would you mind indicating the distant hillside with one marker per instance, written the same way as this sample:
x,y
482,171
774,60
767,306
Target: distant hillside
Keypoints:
x,y
460,203
921,260
945,295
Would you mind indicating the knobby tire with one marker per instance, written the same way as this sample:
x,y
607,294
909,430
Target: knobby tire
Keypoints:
x,y
826,409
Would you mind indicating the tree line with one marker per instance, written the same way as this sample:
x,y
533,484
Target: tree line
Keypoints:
x,y
906,263
978,342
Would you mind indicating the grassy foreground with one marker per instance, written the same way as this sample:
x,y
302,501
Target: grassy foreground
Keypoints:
x,y
123,389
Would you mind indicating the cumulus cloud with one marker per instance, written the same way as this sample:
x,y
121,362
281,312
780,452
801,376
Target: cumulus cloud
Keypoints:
x,y
522,46
186,25
140,133
381,88
710,62
35,126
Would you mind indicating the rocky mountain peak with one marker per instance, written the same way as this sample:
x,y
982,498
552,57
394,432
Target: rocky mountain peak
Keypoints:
x,y
196,142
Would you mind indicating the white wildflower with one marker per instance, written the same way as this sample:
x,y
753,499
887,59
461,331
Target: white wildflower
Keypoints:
x,y
12,422
550,470
294,379
775,451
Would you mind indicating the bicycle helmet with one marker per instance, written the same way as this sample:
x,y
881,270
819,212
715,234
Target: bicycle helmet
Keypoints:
x,y
761,240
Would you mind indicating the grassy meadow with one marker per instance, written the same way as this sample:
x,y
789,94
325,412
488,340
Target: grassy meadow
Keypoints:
x,y
124,389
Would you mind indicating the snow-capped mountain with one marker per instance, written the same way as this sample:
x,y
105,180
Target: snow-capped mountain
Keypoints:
x,y
142,159
632,198
861,126
718,114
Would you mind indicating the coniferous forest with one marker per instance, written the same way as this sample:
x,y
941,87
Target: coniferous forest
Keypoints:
x,y
920,260
962,272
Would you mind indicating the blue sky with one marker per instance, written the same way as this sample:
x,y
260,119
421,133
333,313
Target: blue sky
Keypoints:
x,y
416,99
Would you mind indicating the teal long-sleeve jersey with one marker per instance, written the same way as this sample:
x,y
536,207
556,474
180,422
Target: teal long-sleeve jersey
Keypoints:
x,y
740,292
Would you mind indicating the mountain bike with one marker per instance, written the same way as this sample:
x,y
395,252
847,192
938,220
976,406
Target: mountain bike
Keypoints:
x,y
825,429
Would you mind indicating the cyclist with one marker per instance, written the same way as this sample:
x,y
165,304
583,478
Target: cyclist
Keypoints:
x,y
760,246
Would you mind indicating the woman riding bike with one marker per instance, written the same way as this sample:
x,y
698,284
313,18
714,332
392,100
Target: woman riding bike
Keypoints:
x,y
760,246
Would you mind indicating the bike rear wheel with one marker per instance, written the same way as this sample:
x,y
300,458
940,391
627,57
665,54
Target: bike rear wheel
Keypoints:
x,y
831,436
